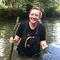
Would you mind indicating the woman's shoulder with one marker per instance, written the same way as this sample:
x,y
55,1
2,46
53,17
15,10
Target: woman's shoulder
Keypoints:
x,y
23,24
41,25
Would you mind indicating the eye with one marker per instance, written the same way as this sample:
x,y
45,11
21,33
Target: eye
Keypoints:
x,y
32,14
36,15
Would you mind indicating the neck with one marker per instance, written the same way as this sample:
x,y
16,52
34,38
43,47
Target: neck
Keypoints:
x,y
33,26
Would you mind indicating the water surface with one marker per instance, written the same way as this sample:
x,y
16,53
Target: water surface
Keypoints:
x,y
52,37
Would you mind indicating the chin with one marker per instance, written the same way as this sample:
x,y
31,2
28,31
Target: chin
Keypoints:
x,y
33,22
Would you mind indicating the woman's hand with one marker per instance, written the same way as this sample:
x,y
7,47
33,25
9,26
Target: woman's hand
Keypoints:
x,y
43,44
12,40
16,39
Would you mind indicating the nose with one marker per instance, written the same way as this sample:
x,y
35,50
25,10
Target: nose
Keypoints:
x,y
34,16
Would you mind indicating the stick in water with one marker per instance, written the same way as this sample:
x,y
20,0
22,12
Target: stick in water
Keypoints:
x,y
14,31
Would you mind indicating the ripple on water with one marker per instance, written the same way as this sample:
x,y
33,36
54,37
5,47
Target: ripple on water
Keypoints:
x,y
53,52
2,45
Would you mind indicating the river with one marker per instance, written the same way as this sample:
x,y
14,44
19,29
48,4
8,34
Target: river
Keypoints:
x,y
52,37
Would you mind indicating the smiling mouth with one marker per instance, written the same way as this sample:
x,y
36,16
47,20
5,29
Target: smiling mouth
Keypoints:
x,y
34,19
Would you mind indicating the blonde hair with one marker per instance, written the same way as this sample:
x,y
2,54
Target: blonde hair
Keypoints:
x,y
36,8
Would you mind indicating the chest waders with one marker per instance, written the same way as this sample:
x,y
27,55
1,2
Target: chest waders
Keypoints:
x,y
29,45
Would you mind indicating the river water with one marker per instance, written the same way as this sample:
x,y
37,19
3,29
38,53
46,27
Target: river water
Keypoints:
x,y
52,37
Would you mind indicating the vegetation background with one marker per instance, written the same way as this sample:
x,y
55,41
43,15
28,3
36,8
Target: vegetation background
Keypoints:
x,y
10,9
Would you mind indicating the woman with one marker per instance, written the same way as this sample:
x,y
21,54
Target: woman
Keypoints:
x,y
31,35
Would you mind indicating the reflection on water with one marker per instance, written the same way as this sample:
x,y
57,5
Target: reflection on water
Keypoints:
x,y
2,45
2,42
52,35
53,39
56,32
53,31
52,52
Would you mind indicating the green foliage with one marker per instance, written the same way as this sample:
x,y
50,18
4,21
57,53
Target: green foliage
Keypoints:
x,y
2,6
14,8
58,9
52,12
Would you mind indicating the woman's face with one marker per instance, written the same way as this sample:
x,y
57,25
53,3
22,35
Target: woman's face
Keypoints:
x,y
34,15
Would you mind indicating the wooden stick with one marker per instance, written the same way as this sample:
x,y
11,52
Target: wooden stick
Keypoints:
x,y
14,31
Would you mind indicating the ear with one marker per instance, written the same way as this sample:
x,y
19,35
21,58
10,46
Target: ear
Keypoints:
x,y
40,15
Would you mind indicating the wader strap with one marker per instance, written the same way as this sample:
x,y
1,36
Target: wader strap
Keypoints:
x,y
24,32
36,33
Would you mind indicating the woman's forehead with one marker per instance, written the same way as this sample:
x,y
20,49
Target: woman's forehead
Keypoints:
x,y
34,11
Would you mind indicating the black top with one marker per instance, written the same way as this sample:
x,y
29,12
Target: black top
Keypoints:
x,y
30,45
41,31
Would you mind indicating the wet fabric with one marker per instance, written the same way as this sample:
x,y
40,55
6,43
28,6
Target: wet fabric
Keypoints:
x,y
30,43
